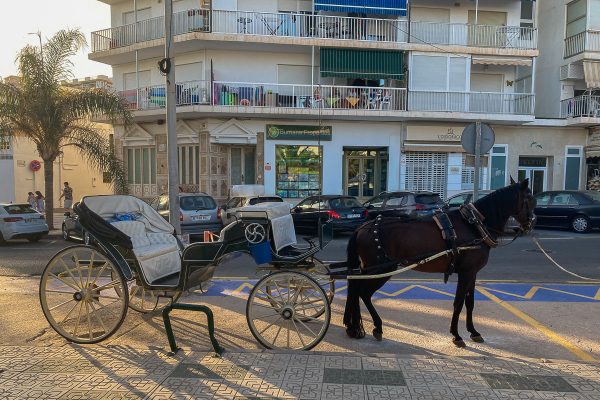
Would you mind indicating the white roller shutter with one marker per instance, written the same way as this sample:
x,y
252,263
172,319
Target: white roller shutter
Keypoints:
x,y
458,74
130,80
189,72
427,171
429,73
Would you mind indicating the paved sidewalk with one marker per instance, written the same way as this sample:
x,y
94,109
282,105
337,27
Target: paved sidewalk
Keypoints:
x,y
116,372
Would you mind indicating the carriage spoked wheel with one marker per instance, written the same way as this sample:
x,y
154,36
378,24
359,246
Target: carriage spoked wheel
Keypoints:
x,y
145,301
78,295
280,308
320,273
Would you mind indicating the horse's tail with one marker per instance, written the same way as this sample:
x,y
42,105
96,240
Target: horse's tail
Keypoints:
x,y
352,259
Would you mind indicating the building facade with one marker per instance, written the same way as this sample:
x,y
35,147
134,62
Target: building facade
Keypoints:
x,y
22,169
339,97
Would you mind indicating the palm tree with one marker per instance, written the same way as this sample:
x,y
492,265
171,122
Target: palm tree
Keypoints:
x,y
52,116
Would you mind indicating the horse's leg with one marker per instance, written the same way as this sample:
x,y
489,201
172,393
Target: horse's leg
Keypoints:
x,y
352,317
459,300
470,304
366,298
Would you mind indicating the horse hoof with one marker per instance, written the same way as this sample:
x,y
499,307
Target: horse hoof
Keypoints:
x,y
355,333
459,343
477,338
378,335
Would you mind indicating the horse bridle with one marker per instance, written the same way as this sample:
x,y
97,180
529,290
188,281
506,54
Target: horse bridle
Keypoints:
x,y
523,230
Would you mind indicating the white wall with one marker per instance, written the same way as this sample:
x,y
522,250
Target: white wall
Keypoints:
x,y
593,14
459,14
7,181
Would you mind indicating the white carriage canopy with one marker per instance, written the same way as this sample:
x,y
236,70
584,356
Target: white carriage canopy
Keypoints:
x,y
282,224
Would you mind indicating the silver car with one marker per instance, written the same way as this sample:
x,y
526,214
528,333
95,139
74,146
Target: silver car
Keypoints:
x,y
228,210
20,221
198,213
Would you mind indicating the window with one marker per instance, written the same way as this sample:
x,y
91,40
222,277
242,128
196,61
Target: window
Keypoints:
x,y
498,166
141,165
564,199
298,171
396,201
106,177
4,143
344,202
576,17
234,202
543,200
467,178
572,168
375,202
189,203
189,165
457,201
259,200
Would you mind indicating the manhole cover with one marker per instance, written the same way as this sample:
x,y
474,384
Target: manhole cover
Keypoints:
x,y
537,251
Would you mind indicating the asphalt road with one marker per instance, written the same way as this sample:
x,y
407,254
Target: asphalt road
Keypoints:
x,y
519,261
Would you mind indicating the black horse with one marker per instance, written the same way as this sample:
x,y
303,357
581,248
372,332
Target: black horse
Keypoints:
x,y
392,242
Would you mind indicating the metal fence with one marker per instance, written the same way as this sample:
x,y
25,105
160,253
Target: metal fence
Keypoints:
x,y
584,41
472,102
151,97
580,106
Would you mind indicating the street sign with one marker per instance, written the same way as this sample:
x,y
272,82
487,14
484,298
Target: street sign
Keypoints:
x,y
469,138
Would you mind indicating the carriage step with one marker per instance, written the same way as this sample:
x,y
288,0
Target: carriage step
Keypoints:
x,y
190,307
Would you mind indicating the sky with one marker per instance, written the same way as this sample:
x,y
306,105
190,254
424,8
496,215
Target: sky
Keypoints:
x,y
20,17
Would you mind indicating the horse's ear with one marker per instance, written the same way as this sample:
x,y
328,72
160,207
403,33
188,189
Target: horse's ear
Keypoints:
x,y
512,181
525,184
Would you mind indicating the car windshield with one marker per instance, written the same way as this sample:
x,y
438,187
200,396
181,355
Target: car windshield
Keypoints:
x,y
428,199
19,209
594,195
189,203
258,200
344,202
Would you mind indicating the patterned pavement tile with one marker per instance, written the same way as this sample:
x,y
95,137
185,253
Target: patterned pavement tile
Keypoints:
x,y
474,394
470,380
311,391
332,391
380,363
83,394
561,396
424,365
418,378
431,393
528,382
381,392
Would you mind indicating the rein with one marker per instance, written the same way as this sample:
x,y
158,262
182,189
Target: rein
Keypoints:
x,y
537,242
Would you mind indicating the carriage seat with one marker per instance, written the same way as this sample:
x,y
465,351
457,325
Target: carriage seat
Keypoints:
x,y
157,253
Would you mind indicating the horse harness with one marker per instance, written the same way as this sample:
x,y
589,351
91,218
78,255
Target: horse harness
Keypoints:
x,y
469,213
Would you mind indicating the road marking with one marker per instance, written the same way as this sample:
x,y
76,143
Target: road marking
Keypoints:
x,y
550,334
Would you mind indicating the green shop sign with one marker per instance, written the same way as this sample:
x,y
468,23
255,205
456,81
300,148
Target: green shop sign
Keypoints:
x,y
298,132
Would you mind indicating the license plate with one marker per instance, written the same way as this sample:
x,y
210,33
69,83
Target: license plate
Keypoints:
x,y
200,217
353,216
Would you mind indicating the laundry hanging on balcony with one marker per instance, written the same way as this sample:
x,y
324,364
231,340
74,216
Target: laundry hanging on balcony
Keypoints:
x,y
591,70
379,7
362,64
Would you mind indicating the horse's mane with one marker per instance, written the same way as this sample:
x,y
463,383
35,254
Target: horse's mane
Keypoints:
x,y
497,206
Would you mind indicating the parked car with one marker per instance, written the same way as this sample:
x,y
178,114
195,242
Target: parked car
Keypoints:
x,y
227,211
198,212
345,212
576,210
403,204
72,229
20,221
467,197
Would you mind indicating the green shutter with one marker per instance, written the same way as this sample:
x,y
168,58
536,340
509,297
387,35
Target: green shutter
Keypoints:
x,y
362,64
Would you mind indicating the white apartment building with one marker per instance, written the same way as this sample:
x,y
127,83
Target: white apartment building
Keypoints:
x,y
569,70
343,96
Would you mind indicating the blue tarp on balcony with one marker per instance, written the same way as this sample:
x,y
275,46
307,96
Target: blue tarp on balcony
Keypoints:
x,y
388,7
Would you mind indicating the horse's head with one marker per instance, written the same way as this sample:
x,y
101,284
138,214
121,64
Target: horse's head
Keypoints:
x,y
524,207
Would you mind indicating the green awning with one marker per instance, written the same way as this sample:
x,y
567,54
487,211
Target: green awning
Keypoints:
x,y
362,64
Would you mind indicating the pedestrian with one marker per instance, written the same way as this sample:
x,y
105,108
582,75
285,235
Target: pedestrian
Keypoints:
x,y
39,198
68,195
31,200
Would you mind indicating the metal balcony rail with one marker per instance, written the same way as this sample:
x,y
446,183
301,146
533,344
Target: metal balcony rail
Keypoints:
x,y
472,102
317,26
580,106
584,41
512,37
194,20
151,97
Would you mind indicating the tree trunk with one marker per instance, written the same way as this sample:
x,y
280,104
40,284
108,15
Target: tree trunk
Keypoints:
x,y
49,192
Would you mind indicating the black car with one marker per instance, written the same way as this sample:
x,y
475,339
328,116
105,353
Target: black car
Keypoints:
x,y
403,204
345,212
72,229
576,210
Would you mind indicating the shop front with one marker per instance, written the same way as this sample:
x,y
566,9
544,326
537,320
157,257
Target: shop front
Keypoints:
x,y
592,160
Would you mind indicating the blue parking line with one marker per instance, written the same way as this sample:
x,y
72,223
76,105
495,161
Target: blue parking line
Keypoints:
x,y
562,293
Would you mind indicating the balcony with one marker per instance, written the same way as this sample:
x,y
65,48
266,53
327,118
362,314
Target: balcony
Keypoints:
x,y
588,41
313,28
346,100
586,106
472,102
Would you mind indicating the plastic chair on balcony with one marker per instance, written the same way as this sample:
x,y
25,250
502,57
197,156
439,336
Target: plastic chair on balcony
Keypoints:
x,y
386,100
317,100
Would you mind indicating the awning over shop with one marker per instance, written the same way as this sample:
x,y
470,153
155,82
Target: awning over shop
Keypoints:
x,y
591,70
520,62
362,64
387,7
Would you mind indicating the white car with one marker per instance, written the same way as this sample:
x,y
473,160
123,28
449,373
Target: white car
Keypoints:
x,y
20,221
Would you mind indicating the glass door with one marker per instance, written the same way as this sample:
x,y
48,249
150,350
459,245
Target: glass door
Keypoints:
x,y
360,177
243,166
536,176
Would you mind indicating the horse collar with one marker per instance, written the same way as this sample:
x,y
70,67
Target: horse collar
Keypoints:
x,y
472,215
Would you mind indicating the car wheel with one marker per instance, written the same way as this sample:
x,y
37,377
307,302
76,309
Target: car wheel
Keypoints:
x,y
65,233
2,241
35,238
580,224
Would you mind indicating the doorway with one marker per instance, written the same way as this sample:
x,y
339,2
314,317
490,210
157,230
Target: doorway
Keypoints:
x,y
365,172
243,165
534,169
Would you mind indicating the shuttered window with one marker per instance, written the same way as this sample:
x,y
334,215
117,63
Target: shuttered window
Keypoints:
x,y
427,171
362,64
389,7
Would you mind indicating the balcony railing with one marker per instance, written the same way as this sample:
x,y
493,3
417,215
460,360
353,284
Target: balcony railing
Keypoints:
x,y
318,26
584,41
580,106
240,94
472,102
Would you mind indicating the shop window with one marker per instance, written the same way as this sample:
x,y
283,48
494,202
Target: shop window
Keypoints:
x,y
572,168
498,167
298,171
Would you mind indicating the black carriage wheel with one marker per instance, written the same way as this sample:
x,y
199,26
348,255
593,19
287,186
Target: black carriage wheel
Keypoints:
x,y
77,295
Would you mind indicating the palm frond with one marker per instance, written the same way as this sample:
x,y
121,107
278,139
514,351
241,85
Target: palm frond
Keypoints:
x,y
94,103
57,52
98,152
